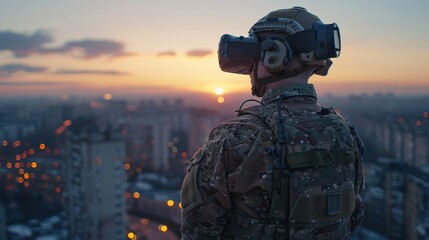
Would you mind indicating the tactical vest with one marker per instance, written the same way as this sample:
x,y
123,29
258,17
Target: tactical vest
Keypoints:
x,y
312,172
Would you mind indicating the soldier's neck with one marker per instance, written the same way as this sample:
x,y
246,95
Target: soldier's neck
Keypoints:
x,y
301,78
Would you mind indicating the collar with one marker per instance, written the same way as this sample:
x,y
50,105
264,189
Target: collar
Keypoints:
x,y
302,90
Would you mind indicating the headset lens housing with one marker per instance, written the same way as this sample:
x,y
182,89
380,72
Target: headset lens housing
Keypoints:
x,y
337,40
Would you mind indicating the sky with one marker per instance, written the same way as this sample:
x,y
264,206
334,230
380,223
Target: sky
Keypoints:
x,y
139,47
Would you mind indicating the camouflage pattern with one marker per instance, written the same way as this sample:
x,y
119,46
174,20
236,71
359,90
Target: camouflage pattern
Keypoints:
x,y
243,184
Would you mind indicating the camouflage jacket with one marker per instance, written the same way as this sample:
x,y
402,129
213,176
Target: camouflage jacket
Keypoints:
x,y
234,186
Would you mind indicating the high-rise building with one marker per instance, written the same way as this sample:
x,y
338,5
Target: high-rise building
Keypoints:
x,y
57,114
163,135
2,221
95,183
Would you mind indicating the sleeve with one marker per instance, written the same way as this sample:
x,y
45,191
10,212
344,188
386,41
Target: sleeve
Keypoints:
x,y
205,200
358,214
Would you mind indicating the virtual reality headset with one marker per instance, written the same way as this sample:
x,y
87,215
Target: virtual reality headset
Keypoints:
x,y
238,54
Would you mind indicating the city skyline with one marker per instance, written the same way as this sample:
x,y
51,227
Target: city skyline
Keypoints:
x,y
169,48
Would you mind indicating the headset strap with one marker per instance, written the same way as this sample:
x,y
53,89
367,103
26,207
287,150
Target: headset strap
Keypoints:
x,y
283,75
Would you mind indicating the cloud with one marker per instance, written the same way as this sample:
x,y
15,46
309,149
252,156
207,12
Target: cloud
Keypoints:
x,y
199,53
167,53
30,83
90,71
23,45
91,49
8,70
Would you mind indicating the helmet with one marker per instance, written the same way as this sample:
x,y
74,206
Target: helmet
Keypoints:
x,y
286,22
281,37
294,20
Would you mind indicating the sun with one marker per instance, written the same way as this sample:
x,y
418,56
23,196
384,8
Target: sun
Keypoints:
x,y
219,91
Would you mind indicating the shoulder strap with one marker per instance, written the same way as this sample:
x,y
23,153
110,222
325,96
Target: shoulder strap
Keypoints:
x,y
279,209
359,141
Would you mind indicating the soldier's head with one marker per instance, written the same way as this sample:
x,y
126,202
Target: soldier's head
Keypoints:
x,y
282,45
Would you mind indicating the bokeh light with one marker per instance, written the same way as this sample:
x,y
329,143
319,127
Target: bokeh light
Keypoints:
x,y
220,100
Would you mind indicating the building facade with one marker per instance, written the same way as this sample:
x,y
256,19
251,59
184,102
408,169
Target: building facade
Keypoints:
x,y
397,180
95,184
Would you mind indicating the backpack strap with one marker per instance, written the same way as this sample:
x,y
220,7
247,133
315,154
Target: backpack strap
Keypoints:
x,y
279,209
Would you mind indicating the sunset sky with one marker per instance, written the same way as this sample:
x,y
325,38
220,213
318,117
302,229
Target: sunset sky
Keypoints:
x,y
139,47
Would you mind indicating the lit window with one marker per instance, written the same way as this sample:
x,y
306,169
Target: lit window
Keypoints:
x,y
162,228
170,203
131,235
136,195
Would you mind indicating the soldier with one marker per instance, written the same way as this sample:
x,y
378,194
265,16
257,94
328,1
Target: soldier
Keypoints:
x,y
287,168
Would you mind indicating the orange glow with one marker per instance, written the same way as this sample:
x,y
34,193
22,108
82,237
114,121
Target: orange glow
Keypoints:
x,y
59,130
18,157
42,146
162,228
95,104
127,166
131,235
127,195
144,221
31,151
170,203
26,184
21,171
107,96
138,170
57,189
184,155
67,123
34,165
9,165
4,143
23,155
26,176
17,165
180,204
20,180
136,195
220,99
